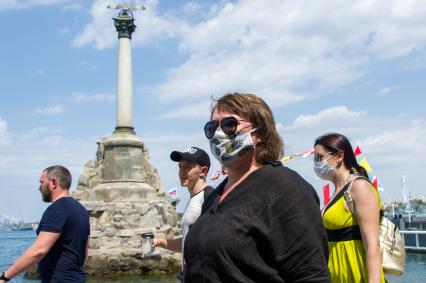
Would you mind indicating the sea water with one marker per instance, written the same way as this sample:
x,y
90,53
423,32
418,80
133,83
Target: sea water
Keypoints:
x,y
13,243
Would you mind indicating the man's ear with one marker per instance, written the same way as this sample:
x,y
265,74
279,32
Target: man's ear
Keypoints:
x,y
204,171
54,182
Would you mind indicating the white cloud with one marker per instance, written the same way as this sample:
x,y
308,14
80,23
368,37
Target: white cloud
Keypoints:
x,y
191,111
192,7
151,27
326,116
35,135
97,97
21,165
285,51
55,109
399,141
386,91
73,7
4,135
26,4
288,51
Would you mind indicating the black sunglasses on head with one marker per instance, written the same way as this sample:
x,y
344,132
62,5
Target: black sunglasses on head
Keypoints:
x,y
227,124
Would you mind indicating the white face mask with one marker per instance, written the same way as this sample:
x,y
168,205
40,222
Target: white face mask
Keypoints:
x,y
323,170
227,150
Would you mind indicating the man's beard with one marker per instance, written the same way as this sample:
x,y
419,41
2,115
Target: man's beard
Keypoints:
x,y
46,195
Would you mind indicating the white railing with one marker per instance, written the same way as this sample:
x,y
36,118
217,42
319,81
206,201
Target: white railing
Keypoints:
x,y
418,246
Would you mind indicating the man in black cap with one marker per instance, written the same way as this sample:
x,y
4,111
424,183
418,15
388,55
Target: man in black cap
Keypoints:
x,y
194,164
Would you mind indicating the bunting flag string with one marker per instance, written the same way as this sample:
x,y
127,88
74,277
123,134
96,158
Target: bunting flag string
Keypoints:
x,y
364,163
297,155
326,189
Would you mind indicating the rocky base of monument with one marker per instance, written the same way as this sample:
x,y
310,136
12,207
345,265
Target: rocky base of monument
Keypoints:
x,y
131,262
115,241
124,197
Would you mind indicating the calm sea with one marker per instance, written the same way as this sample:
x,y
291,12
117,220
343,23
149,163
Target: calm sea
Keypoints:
x,y
12,244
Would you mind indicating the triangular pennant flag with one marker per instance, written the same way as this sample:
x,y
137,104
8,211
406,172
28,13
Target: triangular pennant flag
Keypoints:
x,y
326,193
365,164
375,182
357,151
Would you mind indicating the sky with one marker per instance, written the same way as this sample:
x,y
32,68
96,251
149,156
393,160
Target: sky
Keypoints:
x,y
353,67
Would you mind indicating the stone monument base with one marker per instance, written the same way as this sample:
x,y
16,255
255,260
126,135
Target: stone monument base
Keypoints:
x,y
123,194
115,247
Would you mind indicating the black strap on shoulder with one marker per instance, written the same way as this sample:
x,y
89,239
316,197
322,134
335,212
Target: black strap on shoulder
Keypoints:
x,y
344,234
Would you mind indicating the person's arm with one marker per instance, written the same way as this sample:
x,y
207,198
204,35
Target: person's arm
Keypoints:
x,y
41,246
174,245
367,212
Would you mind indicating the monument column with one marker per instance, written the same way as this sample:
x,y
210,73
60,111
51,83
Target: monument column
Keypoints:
x,y
125,26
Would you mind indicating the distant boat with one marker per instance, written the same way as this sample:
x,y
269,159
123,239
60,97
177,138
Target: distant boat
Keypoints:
x,y
23,227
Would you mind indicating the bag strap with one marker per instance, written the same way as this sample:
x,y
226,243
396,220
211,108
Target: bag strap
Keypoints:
x,y
348,197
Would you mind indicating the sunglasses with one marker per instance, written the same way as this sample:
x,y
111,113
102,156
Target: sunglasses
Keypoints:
x,y
227,124
319,157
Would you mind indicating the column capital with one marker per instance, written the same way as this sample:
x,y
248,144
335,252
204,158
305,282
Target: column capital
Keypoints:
x,y
124,24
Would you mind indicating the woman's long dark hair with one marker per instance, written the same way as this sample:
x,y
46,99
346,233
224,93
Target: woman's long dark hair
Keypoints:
x,y
335,142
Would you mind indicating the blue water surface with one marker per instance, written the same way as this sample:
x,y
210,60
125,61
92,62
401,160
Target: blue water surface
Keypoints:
x,y
13,243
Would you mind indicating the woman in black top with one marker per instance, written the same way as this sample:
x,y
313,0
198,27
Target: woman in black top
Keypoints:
x,y
263,222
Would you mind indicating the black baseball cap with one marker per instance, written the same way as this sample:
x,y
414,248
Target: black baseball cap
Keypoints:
x,y
193,153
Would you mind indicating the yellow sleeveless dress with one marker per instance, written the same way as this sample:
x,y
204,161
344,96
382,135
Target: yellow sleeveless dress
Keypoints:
x,y
347,260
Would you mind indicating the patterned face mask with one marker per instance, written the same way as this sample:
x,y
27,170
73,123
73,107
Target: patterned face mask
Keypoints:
x,y
229,149
323,170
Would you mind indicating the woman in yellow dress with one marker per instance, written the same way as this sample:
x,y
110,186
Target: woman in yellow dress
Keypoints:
x,y
353,238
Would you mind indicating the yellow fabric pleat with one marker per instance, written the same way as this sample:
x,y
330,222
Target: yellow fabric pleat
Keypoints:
x,y
347,260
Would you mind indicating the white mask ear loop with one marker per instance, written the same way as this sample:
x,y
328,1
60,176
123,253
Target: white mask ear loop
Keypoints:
x,y
254,145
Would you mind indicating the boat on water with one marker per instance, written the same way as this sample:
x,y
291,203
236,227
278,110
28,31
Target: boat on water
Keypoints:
x,y
21,226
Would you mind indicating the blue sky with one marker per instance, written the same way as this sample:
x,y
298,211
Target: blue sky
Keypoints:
x,y
355,67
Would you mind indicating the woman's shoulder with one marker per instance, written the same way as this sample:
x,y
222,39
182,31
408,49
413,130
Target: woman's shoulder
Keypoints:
x,y
361,187
360,183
